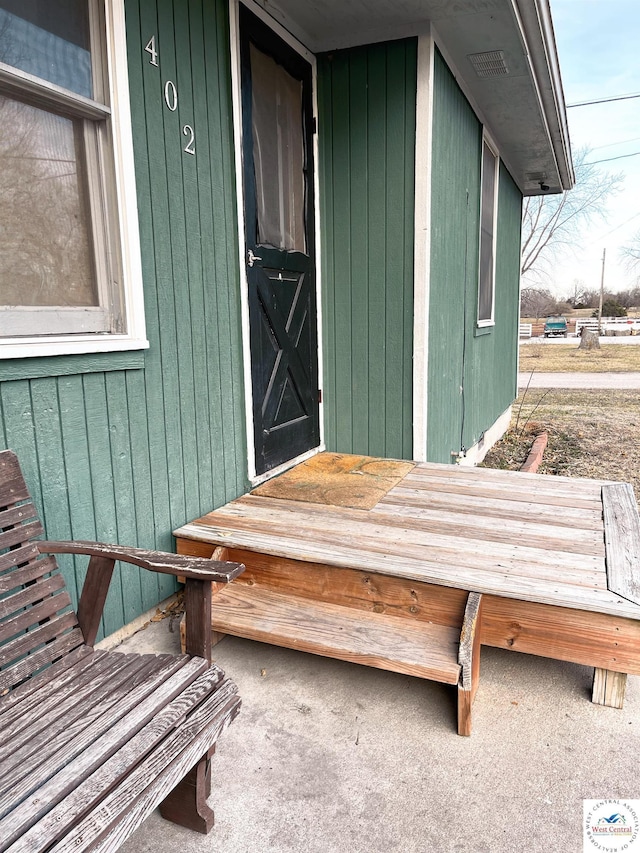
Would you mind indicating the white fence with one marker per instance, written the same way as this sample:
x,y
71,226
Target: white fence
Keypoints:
x,y
526,330
610,325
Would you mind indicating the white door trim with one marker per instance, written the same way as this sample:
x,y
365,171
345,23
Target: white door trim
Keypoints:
x,y
422,243
236,95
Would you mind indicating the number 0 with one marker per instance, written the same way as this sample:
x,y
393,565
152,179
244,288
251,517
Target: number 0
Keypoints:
x,y
190,147
171,95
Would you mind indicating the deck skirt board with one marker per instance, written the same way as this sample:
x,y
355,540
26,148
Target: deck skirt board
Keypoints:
x,y
386,642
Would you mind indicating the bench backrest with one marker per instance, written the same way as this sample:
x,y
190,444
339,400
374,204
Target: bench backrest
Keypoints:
x,y
37,622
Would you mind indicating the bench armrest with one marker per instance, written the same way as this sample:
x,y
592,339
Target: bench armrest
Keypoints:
x,y
198,568
198,574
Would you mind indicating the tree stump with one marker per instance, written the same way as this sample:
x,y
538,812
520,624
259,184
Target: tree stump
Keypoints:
x,y
589,339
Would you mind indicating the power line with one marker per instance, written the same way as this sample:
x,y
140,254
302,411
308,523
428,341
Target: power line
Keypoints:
x,y
622,224
611,144
604,100
609,159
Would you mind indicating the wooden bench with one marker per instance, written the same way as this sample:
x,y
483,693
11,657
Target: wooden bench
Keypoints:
x,y
284,616
92,741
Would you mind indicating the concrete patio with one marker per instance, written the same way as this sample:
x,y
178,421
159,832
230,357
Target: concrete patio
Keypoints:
x,y
328,756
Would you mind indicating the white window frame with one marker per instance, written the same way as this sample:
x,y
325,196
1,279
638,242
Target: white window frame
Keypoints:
x,y
487,142
115,132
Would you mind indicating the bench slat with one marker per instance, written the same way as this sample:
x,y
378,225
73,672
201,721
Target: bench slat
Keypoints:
x,y
103,695
17,515
388,642
117,819
113,756
12,485
57,776
56,648
50,610
14,604
37,567
32,692
58,704
21,534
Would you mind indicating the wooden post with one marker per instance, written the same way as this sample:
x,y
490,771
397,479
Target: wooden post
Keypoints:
x,y
197,605
187,805
609,687
469,660
93,597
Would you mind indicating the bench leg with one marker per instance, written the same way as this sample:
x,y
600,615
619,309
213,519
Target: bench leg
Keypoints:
x,y
608,687
469,659
187,805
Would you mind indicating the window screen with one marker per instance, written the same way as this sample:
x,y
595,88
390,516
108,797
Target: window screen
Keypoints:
x,y
487,231
278,154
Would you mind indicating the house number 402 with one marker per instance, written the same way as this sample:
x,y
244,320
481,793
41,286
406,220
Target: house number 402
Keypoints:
x,y
171,97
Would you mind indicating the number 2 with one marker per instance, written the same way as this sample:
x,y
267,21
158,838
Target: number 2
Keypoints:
x,y
190,147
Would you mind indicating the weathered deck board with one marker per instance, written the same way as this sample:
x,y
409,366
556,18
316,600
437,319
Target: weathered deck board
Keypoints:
x,y
500,556
466,504
545,535
533,545
518,478
371,532
622,537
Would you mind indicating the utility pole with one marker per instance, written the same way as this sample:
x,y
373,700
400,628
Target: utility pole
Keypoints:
x,y
604,255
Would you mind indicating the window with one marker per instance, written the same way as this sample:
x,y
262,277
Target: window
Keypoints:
x,y
68,269
488,213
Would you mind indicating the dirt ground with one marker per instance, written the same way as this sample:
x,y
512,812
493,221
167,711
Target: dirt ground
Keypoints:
x,y
591,434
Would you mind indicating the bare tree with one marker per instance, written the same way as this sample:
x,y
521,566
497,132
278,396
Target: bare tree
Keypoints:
x,y
631,252
553,222
536,302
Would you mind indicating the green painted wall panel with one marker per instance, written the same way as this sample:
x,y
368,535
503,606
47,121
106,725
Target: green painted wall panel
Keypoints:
x,y
471,372
125,449
367,141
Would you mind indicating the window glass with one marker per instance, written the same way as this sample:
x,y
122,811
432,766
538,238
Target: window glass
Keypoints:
x,y
487,229
278,153
45,258
49,39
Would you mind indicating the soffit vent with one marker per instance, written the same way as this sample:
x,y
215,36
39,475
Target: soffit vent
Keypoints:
x,y
489,64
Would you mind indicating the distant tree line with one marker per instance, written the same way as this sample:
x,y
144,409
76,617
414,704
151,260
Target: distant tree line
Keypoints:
x,y
537,302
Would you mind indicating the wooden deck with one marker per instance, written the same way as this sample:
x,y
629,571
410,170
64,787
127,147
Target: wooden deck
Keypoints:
x,y
557,561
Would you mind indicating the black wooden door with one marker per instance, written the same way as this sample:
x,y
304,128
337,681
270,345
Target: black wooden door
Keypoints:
x,y
277,131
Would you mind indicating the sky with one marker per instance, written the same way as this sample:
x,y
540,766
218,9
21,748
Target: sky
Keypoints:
x,y
598,44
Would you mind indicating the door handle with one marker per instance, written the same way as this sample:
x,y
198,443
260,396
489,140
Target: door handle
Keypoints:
x,y
251,258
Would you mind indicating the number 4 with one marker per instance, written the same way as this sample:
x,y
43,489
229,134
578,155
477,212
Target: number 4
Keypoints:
x,y
151,50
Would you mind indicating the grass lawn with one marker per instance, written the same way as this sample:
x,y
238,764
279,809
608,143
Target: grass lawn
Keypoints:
x,y
547,357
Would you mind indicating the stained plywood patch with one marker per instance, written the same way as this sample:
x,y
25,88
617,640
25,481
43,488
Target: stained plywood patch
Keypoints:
x,y
338,479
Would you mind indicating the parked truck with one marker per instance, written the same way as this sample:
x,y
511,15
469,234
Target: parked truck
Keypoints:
x,y
555,326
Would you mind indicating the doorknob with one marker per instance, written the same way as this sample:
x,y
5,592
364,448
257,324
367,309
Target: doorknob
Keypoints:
x,y
251,258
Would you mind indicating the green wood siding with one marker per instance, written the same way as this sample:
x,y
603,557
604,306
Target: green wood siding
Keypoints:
x,y
471,372
367,101
126,449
